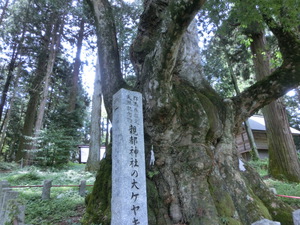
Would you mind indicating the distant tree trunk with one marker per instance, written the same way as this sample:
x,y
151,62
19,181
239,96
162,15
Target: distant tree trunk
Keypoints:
x,y
249,132
16,49
199,177
283,160
53,49
7,82
17,46
11,106
93,162
34,96
77,64
107,132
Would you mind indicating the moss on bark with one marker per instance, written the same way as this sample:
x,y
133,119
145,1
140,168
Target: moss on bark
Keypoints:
x,y
98,210
156,210
278,210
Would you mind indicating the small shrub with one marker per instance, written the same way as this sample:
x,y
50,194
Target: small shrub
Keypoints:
x,y
31,177
51,211
54,147
5,166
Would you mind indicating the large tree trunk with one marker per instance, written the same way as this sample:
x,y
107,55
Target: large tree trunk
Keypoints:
x,y
199,178
53,49
283,160
93,162
34,96
77,64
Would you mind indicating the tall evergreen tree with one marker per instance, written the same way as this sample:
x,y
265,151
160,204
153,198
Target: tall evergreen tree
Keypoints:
x,y
283,160
34,39
77,64
93,161
54,47
48,20
15,33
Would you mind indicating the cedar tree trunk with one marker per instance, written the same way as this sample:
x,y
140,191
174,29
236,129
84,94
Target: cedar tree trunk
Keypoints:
x,y
198,178
34,96
77,64
283,160
93,161
53,49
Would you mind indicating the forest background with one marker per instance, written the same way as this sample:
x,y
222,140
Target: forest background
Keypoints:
x,y
48,52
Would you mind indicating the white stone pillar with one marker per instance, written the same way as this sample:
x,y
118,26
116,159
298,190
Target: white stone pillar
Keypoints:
x,y
129,198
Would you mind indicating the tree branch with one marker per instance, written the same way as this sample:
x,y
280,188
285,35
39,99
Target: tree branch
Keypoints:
x,y
288,41
282,80
161,27
110,69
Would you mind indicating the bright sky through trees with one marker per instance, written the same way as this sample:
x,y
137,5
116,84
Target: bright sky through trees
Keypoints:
x,y
88,74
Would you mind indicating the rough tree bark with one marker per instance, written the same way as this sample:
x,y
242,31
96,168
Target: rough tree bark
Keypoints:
x,y
53,49
34,94
93,162
283,160
200,179
77,64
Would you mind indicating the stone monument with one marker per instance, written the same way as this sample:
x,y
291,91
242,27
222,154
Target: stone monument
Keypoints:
x,y
8,203
82,187
129,198
296,217
10,207
266,222
46,189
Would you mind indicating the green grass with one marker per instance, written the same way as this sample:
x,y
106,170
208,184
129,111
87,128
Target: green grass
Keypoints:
x,y
65,202
282,187
285,188
4,166
261,166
